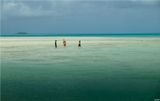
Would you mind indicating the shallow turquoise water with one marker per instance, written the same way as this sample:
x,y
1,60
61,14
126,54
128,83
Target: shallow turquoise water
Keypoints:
x,y
94,72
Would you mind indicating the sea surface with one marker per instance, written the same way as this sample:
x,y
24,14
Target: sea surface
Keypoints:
x,y
82,35
118,69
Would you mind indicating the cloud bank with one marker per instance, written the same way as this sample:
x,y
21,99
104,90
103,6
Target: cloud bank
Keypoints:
x,y
80,16
34,8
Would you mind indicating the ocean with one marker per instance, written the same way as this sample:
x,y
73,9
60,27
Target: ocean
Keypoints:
x,y
83,35
102,69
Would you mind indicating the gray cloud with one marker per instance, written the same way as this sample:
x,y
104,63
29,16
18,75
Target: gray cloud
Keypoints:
x,y
34,8
80,16
21,8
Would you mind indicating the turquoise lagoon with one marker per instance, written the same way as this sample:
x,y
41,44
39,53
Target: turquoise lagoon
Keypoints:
x,y
103,69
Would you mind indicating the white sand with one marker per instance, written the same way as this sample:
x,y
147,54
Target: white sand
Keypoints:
x,y
71,41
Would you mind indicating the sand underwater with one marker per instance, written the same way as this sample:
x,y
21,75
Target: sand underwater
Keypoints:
x,y
103,69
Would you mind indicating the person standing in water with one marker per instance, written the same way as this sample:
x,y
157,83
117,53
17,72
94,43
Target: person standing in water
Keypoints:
x,y
64,43
79,43
55,43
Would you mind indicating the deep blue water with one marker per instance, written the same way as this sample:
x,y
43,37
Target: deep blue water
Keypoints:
x,y
83,35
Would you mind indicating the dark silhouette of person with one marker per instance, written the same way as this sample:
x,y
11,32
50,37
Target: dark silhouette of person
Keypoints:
x,y
55,43
79,43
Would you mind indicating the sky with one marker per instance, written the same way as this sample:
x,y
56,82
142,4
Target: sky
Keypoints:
x,y
80,16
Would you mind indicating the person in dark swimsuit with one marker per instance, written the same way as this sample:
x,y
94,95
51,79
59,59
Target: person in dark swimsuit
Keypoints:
x,y
79,43
55,43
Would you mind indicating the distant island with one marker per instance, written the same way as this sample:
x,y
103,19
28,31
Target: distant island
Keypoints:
x,y
22,33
